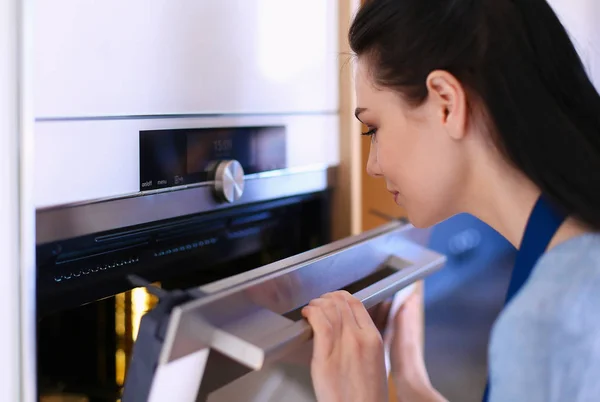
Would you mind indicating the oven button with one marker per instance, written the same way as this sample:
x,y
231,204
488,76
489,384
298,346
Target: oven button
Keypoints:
x,y
229,181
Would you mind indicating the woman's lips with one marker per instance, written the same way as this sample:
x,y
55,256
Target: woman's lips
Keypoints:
x,y
395,195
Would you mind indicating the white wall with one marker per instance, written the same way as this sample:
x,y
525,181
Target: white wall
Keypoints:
x,y
162,57
580,18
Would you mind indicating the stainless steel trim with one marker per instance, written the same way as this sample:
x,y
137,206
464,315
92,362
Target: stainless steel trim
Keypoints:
x,y
244,320
179,116
96,216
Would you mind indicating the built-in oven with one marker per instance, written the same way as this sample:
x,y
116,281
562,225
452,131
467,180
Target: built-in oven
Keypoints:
x,y
214,199
89,320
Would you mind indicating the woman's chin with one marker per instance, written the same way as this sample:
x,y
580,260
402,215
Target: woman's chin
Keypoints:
x,y
424,221
419,224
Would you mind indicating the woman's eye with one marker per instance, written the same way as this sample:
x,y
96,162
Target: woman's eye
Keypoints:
x,y
371,133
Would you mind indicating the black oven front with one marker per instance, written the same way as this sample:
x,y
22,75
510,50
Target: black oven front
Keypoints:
x,y
89,310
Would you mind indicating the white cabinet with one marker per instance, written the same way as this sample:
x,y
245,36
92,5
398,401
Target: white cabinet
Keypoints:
x,y
164,57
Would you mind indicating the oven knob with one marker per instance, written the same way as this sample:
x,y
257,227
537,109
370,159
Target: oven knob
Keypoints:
x,y
229,181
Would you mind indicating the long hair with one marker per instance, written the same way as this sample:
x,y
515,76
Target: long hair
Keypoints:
x,y
515,58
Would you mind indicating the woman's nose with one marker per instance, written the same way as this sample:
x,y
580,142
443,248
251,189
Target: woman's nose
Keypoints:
x,y
373,168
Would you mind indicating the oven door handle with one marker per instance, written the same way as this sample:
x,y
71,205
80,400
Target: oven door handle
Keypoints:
x,y
283,342
254,318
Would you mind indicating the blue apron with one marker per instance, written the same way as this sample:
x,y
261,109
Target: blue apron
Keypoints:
x,y
542,225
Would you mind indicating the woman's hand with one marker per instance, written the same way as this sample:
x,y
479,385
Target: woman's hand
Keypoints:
x,y
348,356
405,340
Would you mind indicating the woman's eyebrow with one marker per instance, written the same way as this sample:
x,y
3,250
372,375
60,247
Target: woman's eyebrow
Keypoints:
x,y
358,111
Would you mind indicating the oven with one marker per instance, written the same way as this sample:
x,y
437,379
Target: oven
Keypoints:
x,y
205,267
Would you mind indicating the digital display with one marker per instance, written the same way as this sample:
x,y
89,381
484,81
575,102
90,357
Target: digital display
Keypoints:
x,y
177,157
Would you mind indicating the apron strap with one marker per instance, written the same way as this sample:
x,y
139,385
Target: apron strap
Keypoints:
x,y
543,223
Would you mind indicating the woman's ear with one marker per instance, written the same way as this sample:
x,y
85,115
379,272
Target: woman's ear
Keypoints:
x,y
448,99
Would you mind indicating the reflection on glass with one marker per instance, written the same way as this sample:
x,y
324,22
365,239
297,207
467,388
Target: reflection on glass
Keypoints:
x,y
130,307
141,303
121,360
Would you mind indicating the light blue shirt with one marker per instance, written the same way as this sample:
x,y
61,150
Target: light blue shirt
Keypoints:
x,y
545,345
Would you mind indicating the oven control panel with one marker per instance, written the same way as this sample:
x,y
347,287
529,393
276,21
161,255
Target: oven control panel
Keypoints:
x,y
179,157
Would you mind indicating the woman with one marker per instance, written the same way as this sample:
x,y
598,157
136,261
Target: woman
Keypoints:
x,y
484,107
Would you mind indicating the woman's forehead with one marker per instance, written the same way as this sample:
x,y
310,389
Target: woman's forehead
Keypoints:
x,y
363,78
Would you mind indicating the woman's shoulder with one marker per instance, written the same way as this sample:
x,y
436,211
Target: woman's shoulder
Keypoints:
x,y
565,285
552,323
566,280
583,249
572,267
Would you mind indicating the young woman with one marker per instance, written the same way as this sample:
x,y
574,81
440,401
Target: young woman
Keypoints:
x,y
484,107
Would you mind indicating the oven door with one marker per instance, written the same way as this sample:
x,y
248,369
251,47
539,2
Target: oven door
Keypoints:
x,y
243,338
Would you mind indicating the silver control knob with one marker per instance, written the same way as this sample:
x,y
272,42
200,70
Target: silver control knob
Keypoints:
x,y
229,181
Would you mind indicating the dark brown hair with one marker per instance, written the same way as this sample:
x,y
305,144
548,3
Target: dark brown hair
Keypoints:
x,y
517,58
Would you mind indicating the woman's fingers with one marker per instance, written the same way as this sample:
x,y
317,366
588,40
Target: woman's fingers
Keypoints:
x,y
331,311
361,315
347,316
322,330
334,313
342,308
348,363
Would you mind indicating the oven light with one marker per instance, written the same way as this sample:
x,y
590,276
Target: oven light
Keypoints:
x,y
121,359
130,307
140,304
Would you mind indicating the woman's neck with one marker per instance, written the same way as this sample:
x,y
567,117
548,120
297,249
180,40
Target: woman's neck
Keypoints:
x,y
504,199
